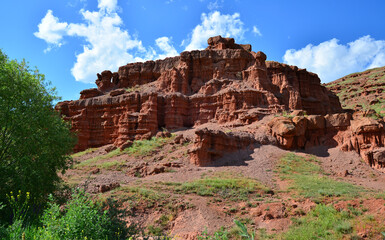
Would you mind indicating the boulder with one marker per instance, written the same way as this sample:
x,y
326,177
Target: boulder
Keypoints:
x,y
211,145
90,93
315,122
366,125
338,120
283,126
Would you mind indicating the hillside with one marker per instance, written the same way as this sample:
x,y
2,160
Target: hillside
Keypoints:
x,y
274,192
191,143
364,90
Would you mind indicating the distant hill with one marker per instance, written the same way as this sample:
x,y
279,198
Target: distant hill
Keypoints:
x,y
363,90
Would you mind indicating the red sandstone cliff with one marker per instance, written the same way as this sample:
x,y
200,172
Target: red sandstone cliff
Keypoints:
x,y
223,83
356,132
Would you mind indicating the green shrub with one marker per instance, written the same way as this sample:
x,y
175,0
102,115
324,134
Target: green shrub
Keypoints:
x,y
81,219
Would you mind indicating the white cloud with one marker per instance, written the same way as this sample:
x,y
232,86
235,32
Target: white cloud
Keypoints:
x,y
109,5
214,24
165,44
331,60
108,46
215,4
256,31
51,30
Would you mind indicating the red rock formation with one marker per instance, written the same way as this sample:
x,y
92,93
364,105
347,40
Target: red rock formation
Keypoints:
x,y
364,135
299,89
211,145
367,137
308,131
225,82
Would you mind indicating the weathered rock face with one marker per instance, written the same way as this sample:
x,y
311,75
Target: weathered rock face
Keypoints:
x,y
299,89
364,135
211,145
308,131
226,82
368,139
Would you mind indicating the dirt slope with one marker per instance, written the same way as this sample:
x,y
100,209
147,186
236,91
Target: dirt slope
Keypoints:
x,y
167,195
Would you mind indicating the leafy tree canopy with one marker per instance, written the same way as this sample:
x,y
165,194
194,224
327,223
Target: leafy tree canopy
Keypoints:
x,y
34,140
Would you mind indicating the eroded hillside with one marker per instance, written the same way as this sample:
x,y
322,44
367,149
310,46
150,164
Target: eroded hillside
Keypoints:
x,y
364,90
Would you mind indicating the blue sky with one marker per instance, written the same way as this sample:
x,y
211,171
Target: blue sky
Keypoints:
x,y
72,40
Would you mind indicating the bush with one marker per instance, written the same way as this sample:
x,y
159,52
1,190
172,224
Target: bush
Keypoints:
x,y
81,218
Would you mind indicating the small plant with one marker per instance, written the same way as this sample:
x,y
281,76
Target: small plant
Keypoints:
x,y
243,233
221,234
287,114
133,89
154,230
19,205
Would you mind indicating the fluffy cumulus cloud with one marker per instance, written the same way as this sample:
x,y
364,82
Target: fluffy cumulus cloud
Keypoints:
x,y
108,46
51,30
165,45
332,60
214,24
109,5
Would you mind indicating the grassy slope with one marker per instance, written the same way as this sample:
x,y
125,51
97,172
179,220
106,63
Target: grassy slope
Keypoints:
x,y
239,197
356,88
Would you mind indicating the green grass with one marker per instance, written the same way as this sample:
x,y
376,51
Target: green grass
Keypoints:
x,y
113,165
144,147
237,188
133,89
140,196
377,107
324,222
138,148
79,154
308,179
92,162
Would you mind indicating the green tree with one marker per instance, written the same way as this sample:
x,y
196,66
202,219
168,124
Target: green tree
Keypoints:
x,y
34,140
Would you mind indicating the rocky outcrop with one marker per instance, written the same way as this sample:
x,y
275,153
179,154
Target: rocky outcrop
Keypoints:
x,y
367,137
225,82
211,145
299,89
310,130
355,132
